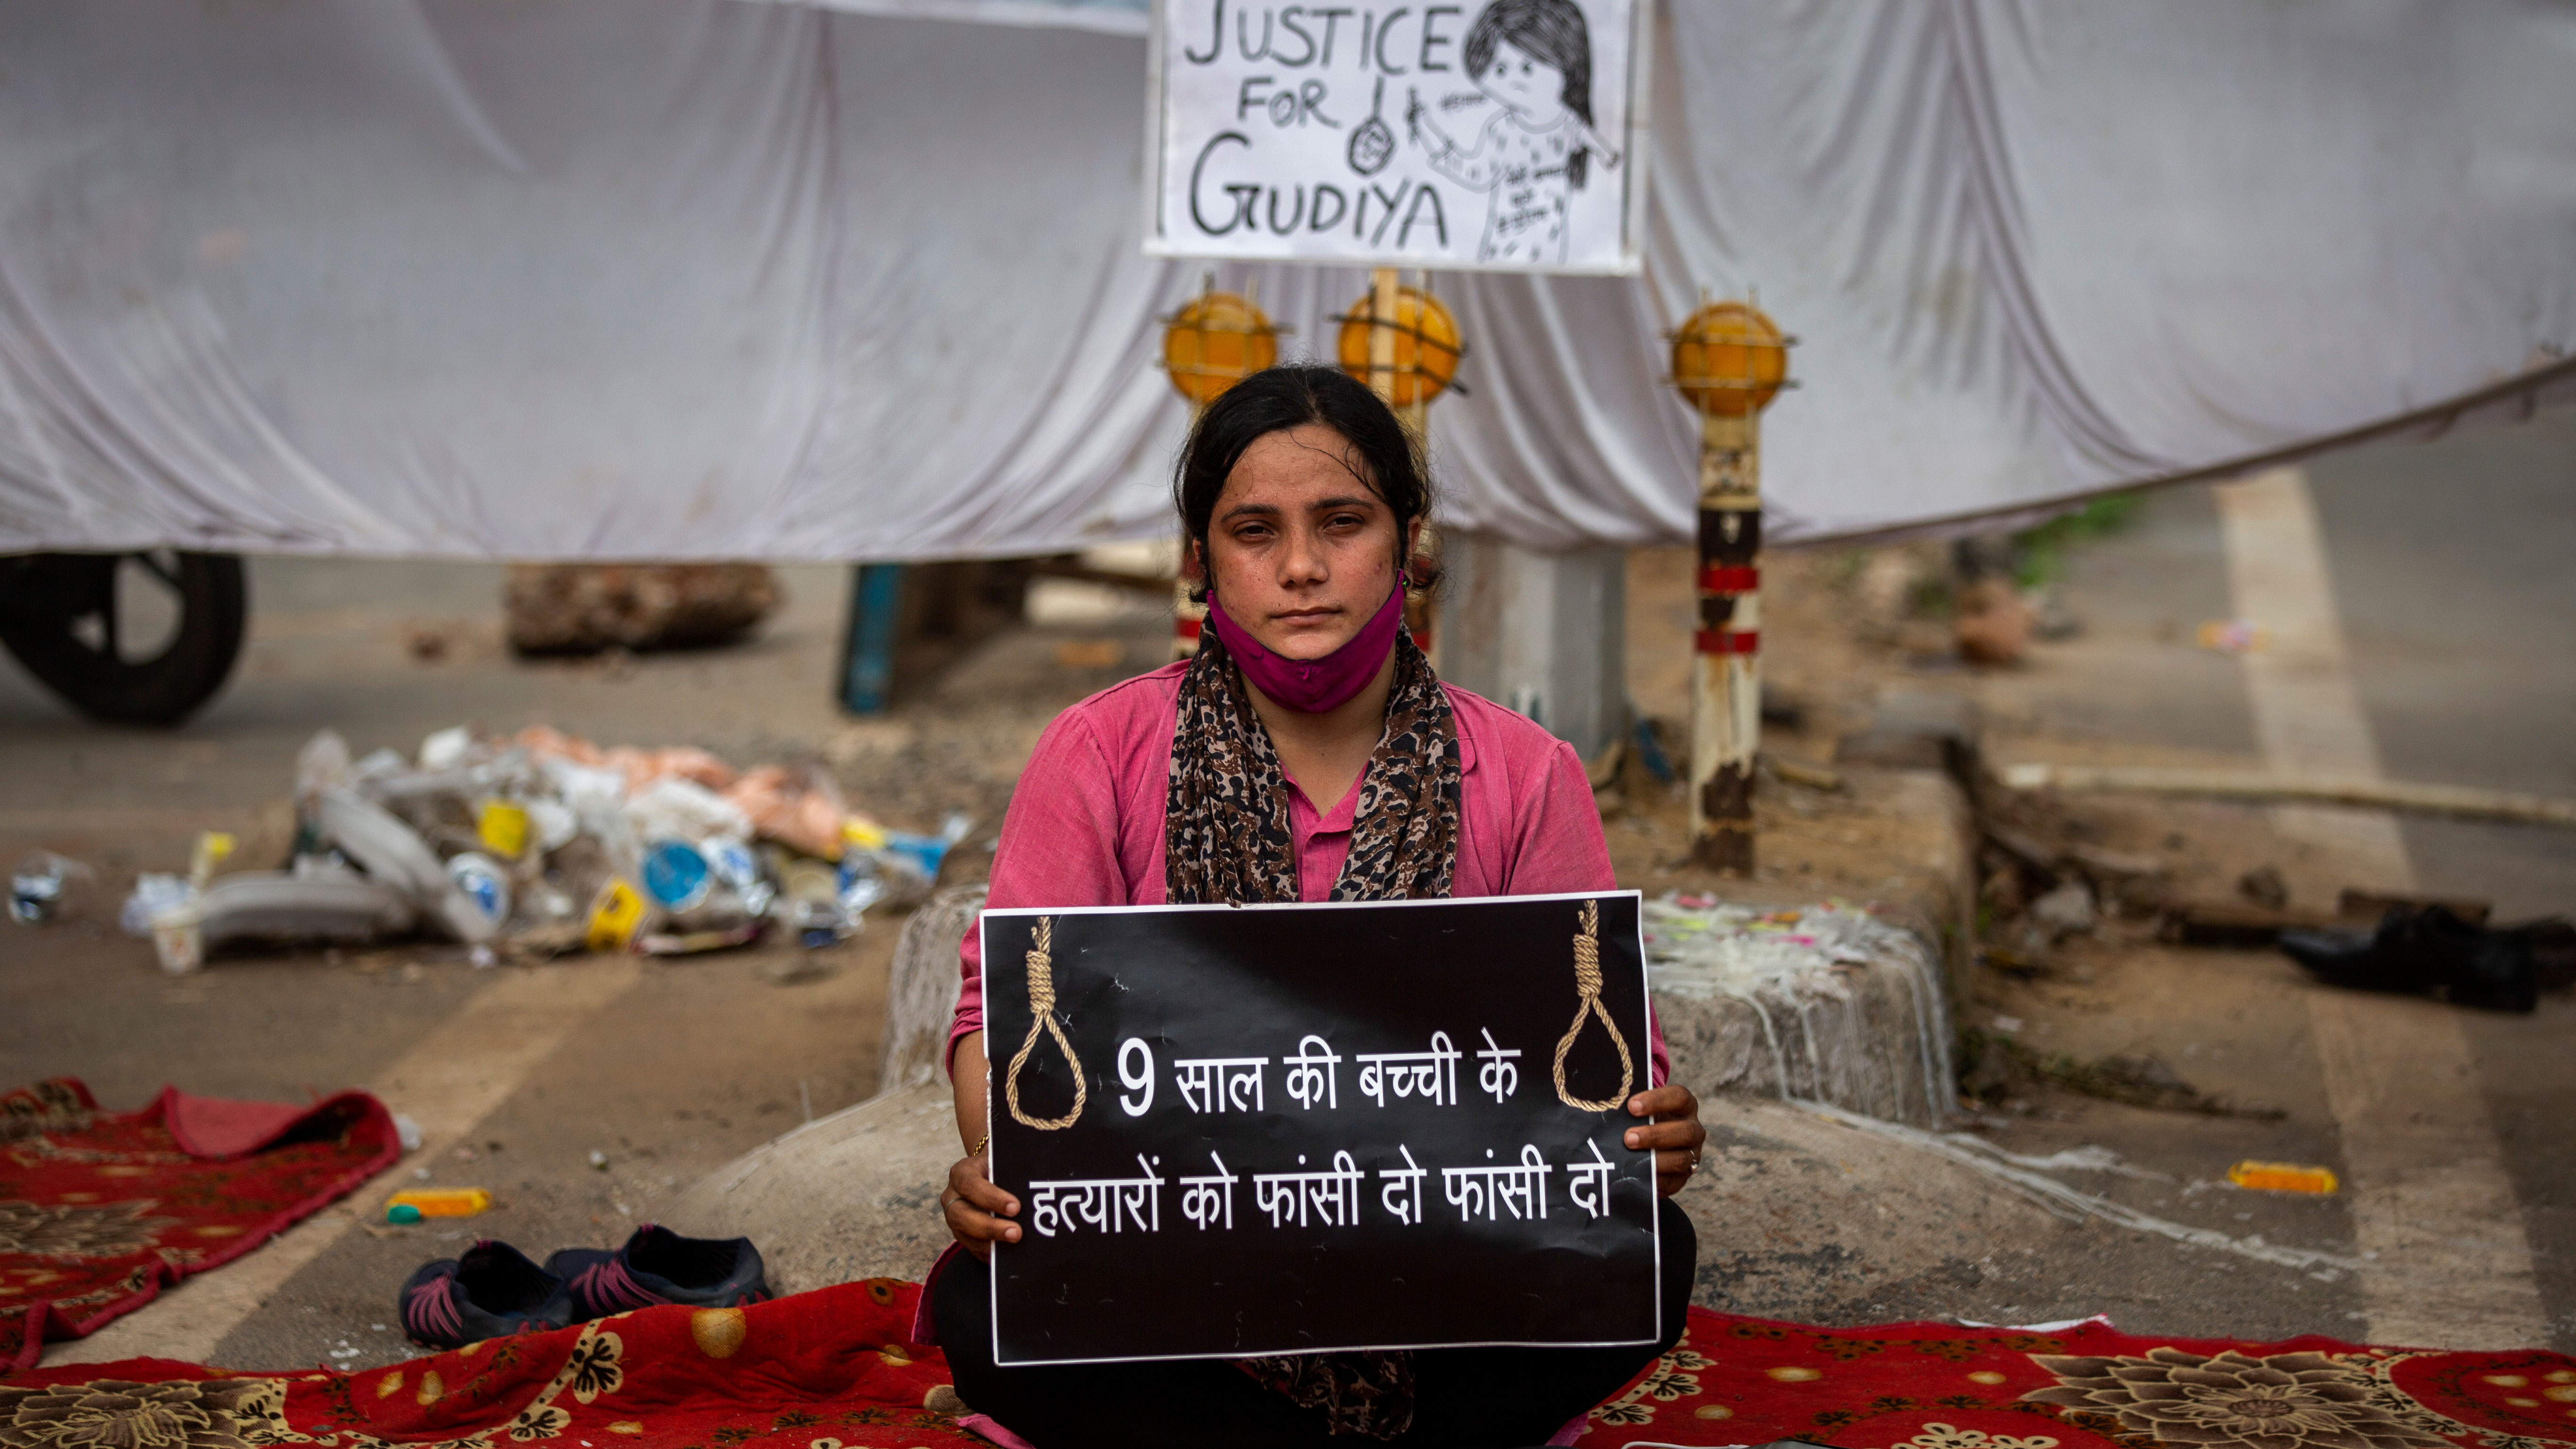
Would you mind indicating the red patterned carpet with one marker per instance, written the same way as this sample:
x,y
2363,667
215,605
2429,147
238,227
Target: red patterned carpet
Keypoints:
x,y
1931,1386
834,1369
829,1368
99,1210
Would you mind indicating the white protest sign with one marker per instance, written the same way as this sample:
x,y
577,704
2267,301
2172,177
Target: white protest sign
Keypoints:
x,y
1498,135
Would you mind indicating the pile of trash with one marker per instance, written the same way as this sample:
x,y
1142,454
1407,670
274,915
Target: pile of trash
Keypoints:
x,y
541,843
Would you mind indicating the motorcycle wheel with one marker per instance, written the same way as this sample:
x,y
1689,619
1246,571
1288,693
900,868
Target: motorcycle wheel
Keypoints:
x,y
72,620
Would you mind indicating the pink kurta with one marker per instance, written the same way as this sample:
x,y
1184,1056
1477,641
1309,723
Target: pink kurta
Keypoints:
x,y
1086,823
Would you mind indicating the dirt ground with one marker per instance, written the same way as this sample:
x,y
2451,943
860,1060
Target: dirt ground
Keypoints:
x,y
1821,684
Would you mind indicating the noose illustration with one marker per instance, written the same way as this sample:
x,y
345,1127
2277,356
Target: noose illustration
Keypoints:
x,y
1042,1018
1587,988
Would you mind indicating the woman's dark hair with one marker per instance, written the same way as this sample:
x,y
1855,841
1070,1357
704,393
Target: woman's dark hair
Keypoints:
x,y
1277,399
1553,31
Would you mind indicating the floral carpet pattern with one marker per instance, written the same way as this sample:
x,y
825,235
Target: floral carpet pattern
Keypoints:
x,y
837,1369
832,1369
1932,1386
99,1211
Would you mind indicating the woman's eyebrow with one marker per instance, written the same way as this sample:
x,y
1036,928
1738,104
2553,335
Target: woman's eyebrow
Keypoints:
x,y
1271,510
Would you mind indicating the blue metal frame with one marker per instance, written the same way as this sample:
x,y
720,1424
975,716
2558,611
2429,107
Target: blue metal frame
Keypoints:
x,y
867,655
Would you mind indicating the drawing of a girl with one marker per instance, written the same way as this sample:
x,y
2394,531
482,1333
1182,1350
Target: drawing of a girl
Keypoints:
x,y
1533,58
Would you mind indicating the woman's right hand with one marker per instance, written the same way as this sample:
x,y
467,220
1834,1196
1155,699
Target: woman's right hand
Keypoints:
x,y
979,1214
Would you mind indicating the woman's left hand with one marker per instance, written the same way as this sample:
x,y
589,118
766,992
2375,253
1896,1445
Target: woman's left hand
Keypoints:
x,y
1675,1134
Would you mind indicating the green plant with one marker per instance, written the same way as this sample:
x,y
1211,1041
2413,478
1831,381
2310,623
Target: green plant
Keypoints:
x,y
2043,549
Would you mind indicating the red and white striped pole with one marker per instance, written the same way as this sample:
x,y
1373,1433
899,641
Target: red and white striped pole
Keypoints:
x,y
1726,670
1729,360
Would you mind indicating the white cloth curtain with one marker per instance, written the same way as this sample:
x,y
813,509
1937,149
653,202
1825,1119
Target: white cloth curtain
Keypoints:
x,y
703,278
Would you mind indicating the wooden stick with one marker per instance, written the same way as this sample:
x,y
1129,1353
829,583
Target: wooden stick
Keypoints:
x,y
1382,288
2461,801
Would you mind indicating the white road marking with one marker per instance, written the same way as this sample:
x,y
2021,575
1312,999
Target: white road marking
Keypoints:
x,y
2432,1205
467,1066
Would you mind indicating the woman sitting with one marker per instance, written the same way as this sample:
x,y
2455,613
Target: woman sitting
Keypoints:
x,y
1306,754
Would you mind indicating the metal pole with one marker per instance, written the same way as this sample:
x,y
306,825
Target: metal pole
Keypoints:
x,y
867,654
1726,664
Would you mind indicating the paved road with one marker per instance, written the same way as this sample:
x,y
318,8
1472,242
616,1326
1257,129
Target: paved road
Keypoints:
x,y
2445,565
2452,570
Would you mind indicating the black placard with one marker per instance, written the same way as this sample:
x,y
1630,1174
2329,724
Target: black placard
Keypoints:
x,y
1530,1221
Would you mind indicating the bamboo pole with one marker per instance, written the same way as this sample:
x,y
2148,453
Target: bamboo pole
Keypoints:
x,y
1382,297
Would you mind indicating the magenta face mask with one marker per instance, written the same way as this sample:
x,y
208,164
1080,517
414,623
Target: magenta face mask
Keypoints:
x,y
1315,685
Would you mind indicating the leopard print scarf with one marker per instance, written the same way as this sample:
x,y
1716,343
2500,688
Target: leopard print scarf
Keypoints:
x,y
1225,824
1226,838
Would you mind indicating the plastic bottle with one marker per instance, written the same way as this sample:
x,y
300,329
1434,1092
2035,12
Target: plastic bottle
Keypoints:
x,y
484,883
36,890
154,893
737,867
812,904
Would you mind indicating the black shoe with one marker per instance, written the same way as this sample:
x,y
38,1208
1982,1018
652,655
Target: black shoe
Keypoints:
x,y
659,1266
2426,950
2553,951
493,1291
